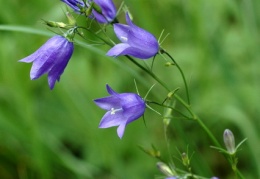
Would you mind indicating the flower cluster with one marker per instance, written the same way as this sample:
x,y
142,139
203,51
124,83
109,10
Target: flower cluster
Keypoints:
x,y
121,108
54,55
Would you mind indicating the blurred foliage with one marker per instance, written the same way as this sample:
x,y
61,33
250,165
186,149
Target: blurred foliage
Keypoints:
x,y
54,134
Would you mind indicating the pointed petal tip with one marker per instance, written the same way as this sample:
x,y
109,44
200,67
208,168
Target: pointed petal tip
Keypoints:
x,y
121,130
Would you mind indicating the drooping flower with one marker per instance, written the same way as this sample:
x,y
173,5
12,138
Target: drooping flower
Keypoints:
x,y
107,9
136,41
76,5
52,58
121,109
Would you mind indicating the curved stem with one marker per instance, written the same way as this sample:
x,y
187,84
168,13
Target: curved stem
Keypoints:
x,y
149,72
187,106
182,74
176,110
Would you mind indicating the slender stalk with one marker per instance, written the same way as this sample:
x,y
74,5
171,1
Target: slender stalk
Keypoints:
x,y
182,74
187,106
149,72
176,110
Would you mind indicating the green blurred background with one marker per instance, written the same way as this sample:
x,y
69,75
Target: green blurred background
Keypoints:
x,y
54,134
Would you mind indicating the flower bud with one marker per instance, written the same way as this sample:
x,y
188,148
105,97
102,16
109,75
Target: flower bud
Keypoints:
x,y
168,64
55,24
165,169
185,159
229,141
71,19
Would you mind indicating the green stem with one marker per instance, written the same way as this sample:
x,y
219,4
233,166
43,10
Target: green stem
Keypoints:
x,y
187,106
149,72
182,74
176,110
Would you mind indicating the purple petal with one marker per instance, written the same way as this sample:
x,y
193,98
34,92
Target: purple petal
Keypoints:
x,y
128,19
108,103
134,112
121,130
142,39
60,64
110,90
110,120
108,11
118,49
74,4
126,49
52,58
121,32
48,53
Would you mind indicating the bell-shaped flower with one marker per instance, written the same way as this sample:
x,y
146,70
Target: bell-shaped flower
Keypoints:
x,y
52,58
76,5
136,41
106,9
121,109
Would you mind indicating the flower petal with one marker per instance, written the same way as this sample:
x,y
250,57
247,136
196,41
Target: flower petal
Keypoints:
x,y
110,90
121,32
52,58
110,120
108,103
134,112
74,4
142,39
121,130
118,49
126,49
108,11
60,63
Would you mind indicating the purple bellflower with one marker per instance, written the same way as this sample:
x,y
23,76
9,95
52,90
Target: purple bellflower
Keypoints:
x,y
136,41
121,109
76,5
108,9
52,58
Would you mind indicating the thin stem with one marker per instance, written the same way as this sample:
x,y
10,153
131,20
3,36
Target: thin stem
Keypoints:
x,y
182,74
149,72
176,110
206,129
187,106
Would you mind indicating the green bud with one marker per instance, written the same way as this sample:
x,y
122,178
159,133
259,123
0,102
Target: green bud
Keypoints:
x,y
168,64
152,152
229,141
185,159
88,11
55,24
167,116
71,19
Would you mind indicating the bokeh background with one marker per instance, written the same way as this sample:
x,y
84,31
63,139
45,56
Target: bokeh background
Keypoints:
x,y
54,134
